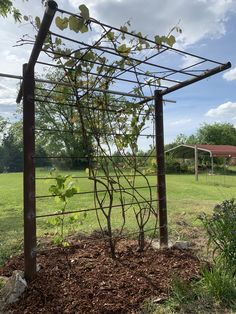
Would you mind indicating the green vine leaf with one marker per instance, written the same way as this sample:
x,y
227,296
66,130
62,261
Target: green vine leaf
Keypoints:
x,y
111,35
75,24
171,40
84,11
124,50
61,23
84,29
124,28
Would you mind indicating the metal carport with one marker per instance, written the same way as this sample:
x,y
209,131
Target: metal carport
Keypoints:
x,y
192,151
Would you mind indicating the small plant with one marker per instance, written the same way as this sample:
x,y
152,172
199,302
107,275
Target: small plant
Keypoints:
x,y
220,284
221,230
2,283
62,191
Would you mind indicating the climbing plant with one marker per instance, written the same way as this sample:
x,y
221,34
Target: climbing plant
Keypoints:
x,y
115,123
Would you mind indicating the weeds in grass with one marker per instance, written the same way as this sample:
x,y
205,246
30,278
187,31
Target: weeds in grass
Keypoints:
x,y
220,283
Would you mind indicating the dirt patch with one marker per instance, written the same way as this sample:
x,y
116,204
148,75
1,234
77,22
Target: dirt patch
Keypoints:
x,y
84,279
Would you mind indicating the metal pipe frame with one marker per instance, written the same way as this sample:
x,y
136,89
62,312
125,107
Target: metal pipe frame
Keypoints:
x,y
29,173
161,178
27,92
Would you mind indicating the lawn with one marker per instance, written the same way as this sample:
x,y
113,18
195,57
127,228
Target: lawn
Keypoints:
x,y
186,199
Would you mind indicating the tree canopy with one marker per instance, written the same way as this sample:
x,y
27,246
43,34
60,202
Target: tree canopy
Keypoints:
x,y
215,134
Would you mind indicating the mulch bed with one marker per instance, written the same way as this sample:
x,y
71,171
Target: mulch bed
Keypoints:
x,y
84,279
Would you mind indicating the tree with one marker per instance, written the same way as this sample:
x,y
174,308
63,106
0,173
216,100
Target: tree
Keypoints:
x,y
11,150
7,8
217,134
58,127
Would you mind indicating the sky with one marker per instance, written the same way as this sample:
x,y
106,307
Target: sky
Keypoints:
x,y
208,29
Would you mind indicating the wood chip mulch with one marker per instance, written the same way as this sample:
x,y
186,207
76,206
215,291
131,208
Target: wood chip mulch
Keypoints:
x,y
84,279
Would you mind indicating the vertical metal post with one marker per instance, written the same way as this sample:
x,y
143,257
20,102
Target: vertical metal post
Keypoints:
x,y
196,162
212,165
161,178
29,172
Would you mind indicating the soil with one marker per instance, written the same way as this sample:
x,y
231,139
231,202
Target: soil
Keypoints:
x,y
85,279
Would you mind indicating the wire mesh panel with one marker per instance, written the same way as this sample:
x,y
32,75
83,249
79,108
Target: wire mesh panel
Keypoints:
x,y
98,113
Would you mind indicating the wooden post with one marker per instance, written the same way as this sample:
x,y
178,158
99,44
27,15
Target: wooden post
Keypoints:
x,y
212,165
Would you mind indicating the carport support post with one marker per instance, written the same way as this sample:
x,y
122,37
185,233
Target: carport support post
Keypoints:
x,y
29,173
212,165
161,178
196,162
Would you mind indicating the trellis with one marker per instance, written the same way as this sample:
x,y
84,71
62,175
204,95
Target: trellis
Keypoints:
x,y
147,71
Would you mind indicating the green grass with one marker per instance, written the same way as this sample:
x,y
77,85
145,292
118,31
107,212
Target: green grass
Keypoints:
x,y
186,199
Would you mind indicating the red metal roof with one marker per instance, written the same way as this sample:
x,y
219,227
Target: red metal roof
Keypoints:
x,y
218,150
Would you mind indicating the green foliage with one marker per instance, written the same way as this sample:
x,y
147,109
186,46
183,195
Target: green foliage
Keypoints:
x,y
213,292
168,40
5,7
84,12
174,166
2,283
220,283
76,24
62,23
11,147
62,190
217,133
68,141
221,230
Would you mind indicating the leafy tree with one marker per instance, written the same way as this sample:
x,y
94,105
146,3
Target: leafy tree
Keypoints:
x,y
7,8
11,151
217,133
59,129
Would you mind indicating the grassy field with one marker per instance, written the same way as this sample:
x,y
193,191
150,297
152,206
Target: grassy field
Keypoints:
x,y
186,199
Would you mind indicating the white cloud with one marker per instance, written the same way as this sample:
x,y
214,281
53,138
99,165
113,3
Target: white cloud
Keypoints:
x,y
230,75
199,19
189,61
223,111
181,122
8,101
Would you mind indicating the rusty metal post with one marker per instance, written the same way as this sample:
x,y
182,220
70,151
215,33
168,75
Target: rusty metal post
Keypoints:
x,y
29,172
161,178
196,162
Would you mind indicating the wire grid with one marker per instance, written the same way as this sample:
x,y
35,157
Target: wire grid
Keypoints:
x,y
122,81
121,103
147,68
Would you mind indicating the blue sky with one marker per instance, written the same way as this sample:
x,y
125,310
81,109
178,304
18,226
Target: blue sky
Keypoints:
x,y
208,30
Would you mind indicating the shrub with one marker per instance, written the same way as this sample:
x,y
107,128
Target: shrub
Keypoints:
x,y
221,230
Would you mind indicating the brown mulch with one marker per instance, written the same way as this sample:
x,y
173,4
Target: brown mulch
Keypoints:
x,y
84,279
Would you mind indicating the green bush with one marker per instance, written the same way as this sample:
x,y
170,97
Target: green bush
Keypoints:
x,y
174,166
221,230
